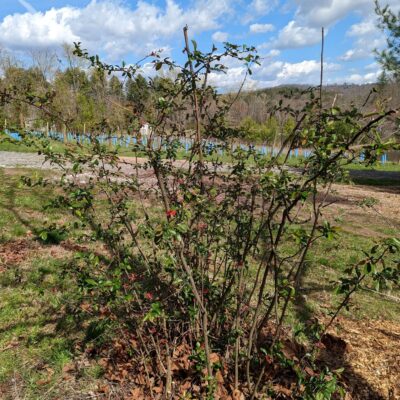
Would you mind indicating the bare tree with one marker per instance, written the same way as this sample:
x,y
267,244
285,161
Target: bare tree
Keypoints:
x,y
46,60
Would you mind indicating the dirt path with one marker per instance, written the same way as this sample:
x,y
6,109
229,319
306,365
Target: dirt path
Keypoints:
x,y
10,159
358,206
368,210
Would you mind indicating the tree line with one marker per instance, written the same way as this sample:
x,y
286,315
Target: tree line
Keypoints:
x,y
91,100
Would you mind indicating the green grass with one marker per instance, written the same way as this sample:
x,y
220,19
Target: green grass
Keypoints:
x,y
37,337
21,207
35,346
8,144
328,261
378,166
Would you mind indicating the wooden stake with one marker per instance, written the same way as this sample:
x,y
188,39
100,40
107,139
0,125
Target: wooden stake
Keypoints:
x,y
322,67
65,133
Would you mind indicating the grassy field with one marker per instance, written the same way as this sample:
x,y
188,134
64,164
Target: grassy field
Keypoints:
x,y
40,352
37,342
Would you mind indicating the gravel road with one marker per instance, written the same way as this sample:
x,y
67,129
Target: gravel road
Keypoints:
x,y
10,159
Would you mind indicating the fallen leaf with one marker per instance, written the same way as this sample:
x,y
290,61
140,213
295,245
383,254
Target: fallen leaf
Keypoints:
x,y
214,358
219,377
42,382
237,395
68,367
310,371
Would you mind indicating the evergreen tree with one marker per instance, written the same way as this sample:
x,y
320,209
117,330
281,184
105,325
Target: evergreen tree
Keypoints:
x,y
137,92
115,87
389,58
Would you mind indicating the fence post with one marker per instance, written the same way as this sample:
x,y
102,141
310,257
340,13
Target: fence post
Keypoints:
x,y
65,138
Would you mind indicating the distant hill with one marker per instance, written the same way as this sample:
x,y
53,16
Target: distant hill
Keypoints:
x,y
258,104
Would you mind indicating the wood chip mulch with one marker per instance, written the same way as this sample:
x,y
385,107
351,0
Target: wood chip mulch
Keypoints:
x,y
369,350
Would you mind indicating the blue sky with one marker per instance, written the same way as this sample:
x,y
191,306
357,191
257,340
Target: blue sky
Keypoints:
x,y
286,33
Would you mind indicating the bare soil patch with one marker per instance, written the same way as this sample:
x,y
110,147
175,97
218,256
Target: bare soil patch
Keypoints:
x,y
16,251
365,208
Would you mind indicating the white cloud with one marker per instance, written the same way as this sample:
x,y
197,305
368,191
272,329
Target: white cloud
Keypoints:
x,y
268,70
354,54
32,30
263,6
293,35
259,8
110,26
220,36
116,28
232,80
364,48
275,73
363,28
367,38
359,79
261,28
305,27
274,53
327,12
304,69
372,67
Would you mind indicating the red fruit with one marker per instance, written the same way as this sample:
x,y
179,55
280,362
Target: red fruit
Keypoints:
x,y
171,213
148,296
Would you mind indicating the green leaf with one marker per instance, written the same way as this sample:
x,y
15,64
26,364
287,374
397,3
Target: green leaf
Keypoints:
x,y
154,312
91,282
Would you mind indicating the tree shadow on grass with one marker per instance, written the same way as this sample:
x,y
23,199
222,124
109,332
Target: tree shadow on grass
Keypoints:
x,y
11,206
60,317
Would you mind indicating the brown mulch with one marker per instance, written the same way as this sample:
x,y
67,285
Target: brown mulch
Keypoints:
x,y
369,350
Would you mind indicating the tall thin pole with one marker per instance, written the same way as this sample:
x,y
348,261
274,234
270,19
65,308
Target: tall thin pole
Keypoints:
x,y
322,68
